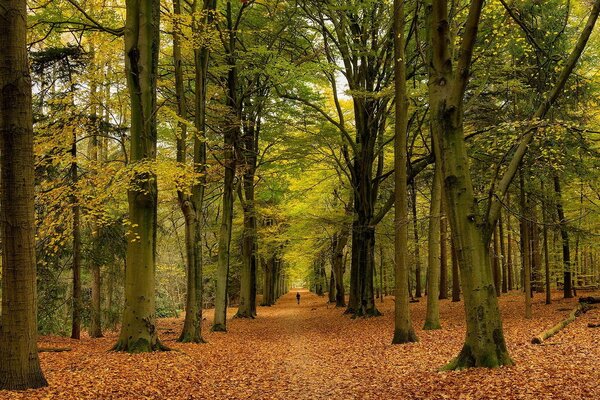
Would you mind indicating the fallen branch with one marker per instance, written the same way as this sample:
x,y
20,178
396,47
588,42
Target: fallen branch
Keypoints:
x,y
592,325
590,300
53,349
581,308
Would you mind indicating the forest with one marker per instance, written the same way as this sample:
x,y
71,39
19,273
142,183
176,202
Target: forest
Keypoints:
x,y
277,199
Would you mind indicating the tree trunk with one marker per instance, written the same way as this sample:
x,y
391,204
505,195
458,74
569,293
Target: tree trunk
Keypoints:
x,y
484,343
19,362
443,251
413,190
337,264
503,255
509,252
381,265
192,206
564,233
525,248
95,330
76,266
403,329
432,316
230,135
496,263
138,330
331,291
536,256
247,306
546,252
455,273
362,296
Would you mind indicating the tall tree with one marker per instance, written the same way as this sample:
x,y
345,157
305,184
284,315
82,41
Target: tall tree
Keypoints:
x,y
231,133
471,229
403,329
432,318
19,362
138,330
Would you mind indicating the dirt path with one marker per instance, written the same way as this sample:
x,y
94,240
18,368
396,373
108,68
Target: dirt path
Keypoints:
x,y
313,351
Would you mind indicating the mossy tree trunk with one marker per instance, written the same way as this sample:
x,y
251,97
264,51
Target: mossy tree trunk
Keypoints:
x,y
19,362
484,343
138,329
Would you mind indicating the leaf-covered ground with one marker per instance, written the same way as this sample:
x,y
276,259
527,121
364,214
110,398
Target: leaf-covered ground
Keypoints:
x,y
312,351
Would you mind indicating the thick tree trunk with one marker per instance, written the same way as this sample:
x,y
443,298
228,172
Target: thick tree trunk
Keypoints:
x,y
484,343
432,316
19,362
362,296
138,330
247,306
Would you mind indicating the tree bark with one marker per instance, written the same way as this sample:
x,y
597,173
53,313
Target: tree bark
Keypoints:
x,y
432,316
230,136
525,247
339,243
564,233
138,330
413,191
504,265
484,343
546,251
455,273
19,362
76,266
403,329
443,251
496,263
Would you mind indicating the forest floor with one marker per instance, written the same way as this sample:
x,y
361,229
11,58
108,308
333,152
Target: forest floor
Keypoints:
x,y
313,351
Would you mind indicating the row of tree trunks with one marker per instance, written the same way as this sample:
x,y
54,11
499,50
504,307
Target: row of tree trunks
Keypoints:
x,y
274,280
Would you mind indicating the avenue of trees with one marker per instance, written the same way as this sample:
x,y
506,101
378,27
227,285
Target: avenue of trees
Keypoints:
x,y
164,157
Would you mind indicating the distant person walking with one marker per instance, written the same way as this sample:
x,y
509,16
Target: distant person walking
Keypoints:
x,y
298,297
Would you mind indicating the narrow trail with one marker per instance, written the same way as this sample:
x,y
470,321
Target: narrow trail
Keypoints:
x,y
313,351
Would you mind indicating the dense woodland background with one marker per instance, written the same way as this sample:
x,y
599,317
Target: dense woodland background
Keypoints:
x,y
273,157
